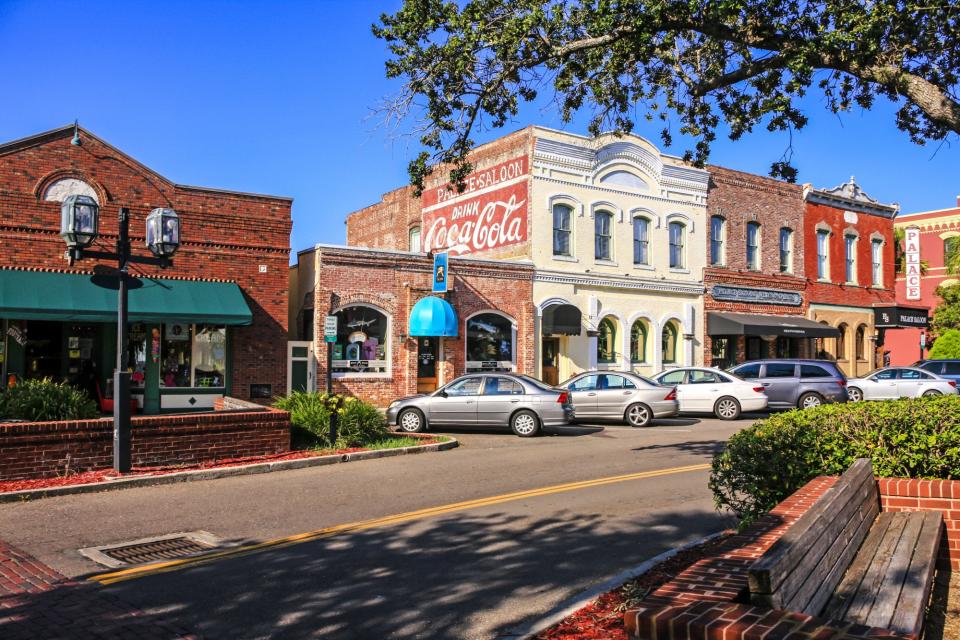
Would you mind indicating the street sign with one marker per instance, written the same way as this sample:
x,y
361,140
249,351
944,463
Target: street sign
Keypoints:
x,y
330,329
923,340
441,272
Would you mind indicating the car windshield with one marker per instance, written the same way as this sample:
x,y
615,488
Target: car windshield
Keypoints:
x,y
539,384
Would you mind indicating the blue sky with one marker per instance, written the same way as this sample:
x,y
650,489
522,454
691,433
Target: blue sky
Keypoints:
x,y
280,98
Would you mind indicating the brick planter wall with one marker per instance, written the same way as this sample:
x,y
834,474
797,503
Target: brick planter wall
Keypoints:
x,y
902,494
710,599
52,449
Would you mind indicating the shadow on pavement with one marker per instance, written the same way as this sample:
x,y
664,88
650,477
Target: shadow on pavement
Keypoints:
x,y
697,447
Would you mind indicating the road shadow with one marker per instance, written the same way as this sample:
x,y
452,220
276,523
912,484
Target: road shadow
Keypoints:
x,y
707,448
568,430
461,576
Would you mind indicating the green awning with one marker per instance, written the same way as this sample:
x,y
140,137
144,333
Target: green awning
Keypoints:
x,y
39,295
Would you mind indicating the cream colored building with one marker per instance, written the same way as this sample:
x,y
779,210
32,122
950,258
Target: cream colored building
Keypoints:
x,y
618,232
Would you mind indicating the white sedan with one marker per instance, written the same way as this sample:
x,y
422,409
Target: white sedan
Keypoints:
x,y
706,390
891,383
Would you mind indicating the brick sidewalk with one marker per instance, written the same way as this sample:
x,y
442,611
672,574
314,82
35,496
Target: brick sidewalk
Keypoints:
x,y
37,603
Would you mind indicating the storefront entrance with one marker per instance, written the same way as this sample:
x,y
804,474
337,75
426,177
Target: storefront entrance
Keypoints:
x,y
549,365
427,352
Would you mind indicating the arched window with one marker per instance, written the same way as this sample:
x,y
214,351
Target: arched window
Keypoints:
x,y
677,242
638,342
363,341
490,343
717,233
607,341
414,237
561,229
861,344
842,342
669,343
601,226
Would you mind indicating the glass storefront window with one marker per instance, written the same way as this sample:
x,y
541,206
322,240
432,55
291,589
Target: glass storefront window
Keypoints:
x,y
175,369
489,343
137,355
209,356
607,341
361,345
669,346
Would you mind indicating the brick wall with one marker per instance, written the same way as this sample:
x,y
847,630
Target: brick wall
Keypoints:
x,y
903,494
54,449
225,235
393,283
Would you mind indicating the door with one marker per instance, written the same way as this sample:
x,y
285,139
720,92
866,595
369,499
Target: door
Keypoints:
x,y
779,381
702,389
500,398
458,404
427,364
301,368
550,361
883,386
613,395
583,395
677,379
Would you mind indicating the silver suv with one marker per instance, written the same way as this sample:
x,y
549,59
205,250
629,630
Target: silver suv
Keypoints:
x,y
796,383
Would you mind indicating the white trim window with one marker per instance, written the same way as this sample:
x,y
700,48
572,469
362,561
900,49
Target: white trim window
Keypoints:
x,y
491,342
641,241
786,250
561,229
850,253
876,262
414,239
717,232
753,246
362,348
677,242
601,227
823,254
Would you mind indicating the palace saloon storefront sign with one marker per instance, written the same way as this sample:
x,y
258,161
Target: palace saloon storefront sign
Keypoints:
x,y
756,296
900,317
911,242
490,213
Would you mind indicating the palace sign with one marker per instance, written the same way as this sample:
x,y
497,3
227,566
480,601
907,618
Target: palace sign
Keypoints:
x,y
911,251
490,213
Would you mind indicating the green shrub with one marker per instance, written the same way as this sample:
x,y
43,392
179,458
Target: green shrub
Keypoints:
x,y
42,400
358,422
765,463
946,346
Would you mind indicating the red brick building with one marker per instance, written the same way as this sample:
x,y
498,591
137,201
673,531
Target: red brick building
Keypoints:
x,y
374,293
755,304
213,324
849,263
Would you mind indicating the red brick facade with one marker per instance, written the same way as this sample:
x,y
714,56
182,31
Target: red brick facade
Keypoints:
x,y
904,494
393,283
55,449
227,236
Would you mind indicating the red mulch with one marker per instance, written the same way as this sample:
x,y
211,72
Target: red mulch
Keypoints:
x,y
103,475
603,618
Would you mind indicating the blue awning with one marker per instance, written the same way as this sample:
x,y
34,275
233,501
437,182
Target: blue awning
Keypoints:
x,y
433,316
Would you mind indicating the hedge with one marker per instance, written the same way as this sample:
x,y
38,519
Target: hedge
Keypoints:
x,y
765,463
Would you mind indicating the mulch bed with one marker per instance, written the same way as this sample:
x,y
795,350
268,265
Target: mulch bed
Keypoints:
x,y
103,475
603,618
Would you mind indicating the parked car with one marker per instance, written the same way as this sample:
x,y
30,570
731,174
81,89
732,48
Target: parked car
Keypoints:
x,y
707,390
793,383
891,383
519,402
620,396
949,369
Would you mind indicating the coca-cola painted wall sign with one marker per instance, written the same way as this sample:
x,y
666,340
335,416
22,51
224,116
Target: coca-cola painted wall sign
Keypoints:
x,y
490,213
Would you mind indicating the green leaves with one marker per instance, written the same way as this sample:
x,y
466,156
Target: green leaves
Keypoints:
x,y
43,400
468,66
358,422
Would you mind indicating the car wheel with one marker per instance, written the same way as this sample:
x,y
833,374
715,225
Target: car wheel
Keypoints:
x,y
638,415
727,408
525,424
411,421
931,393
854,394
810,401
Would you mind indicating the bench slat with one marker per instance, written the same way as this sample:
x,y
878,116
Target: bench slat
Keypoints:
x,y
876,570
839,603
908,616
896,574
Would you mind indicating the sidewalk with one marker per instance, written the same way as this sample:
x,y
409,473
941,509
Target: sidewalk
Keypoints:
x,y
37,603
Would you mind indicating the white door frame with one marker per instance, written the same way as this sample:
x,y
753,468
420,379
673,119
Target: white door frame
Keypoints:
x,y
309,359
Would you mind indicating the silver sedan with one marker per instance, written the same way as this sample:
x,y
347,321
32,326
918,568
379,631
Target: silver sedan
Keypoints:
x,y
626,397
519,402
899,382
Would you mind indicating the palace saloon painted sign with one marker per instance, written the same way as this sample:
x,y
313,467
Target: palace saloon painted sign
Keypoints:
x,y
490,213
911,250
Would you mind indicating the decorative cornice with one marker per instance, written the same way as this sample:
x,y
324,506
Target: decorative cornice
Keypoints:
x,y
611,282
632,194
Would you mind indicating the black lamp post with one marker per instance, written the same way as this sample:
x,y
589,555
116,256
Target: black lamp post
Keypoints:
x,y
79,224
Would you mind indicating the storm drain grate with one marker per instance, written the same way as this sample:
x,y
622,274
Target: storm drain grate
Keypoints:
x,y
169,547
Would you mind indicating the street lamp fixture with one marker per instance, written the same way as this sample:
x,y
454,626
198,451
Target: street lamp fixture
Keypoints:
x,y
79,224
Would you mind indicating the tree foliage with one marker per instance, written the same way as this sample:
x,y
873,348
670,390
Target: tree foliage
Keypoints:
x,y
946,346
469,65
946,315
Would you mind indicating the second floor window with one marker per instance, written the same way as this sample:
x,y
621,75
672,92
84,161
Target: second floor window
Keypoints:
x,y
753,245
561,230
641,227
415,239
850,248
786,250
823,255
601,226
717,225
876,262
676,245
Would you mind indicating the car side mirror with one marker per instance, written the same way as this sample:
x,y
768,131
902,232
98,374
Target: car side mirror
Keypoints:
x,y
442,393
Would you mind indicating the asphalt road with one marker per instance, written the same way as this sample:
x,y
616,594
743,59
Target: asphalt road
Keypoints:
x,y
469,572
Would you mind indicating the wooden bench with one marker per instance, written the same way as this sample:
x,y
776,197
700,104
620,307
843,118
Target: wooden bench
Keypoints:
x,y
844,560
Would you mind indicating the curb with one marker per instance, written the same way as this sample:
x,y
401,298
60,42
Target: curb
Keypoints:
x,y
582,599
221,472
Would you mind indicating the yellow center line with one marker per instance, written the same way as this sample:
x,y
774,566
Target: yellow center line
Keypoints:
x,y
133,573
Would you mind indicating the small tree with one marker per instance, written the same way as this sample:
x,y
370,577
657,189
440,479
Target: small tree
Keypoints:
x,y
947,314
946,346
